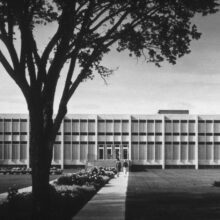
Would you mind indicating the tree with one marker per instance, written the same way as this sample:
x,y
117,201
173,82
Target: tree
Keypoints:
x,y
86,30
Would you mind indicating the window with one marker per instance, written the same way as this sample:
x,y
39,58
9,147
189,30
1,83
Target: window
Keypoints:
x,y
83,126
117,126
168,127
91,126
8,125
67,151
23,151
15,125
134,126
176,126
15,151
67,126
56,152
75,126
125,126
101,153
150,126
142,126
101,126
91,152
184,127
209,127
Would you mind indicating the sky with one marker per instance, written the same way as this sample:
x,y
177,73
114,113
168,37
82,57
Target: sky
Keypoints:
x,y
137,87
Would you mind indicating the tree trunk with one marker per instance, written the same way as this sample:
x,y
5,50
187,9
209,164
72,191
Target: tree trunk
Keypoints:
x,y
41,156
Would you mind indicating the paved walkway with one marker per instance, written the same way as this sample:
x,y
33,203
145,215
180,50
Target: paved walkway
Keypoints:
x,y
108,203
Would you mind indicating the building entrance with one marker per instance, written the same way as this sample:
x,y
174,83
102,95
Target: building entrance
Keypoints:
x,y
113,151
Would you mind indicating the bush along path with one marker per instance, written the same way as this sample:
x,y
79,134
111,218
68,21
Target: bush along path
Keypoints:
x,y
68,195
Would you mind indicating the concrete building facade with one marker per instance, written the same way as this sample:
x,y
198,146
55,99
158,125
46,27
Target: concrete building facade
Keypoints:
x,y
167,139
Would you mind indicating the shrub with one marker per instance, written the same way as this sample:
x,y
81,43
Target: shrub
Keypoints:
x,y
12,193
216,183
65,180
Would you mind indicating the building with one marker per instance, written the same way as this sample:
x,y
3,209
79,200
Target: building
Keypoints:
x,y
166,139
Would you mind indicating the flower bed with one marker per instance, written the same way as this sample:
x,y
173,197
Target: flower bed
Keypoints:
x,y
95,176
68,195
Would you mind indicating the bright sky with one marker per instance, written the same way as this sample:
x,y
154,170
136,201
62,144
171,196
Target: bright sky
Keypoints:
x,y
138,87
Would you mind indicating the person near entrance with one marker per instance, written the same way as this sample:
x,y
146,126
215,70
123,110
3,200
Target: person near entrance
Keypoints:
x,y
125,167
118,166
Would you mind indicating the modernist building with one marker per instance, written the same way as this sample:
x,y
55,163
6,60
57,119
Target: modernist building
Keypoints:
x,y
169,138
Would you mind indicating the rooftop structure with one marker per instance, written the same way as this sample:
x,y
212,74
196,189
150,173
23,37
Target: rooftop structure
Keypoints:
x,y
173,112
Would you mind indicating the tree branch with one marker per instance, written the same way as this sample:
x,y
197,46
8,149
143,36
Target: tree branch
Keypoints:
x,y
109,17
9,45
20,81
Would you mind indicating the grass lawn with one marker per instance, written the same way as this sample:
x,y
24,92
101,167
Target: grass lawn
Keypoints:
x,y
19,181
173,194
22,181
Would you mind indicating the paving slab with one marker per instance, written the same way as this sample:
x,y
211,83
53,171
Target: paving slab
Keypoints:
x,y
108,203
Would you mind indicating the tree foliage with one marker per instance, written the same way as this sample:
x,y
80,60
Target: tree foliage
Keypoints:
x,y
86,29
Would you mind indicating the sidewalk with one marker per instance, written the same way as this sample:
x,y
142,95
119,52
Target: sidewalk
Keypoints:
x,y
108,203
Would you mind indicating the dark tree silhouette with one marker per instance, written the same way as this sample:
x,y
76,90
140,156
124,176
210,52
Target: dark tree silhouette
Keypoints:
x,y
85,31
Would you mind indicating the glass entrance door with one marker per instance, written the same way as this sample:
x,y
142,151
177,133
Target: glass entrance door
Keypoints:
x,y
109,151
125,152
117,152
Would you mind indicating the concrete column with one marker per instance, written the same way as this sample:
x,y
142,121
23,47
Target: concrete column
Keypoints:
x,y
105,147
121,151
3,139
138,132
179,148
87,147
213,152
71,138
105,151
146,141
196,143
163,143
172,140
154,150
79,146
113,151
96,138
10,146
187,146
62,145
28,142
130,141
19,144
